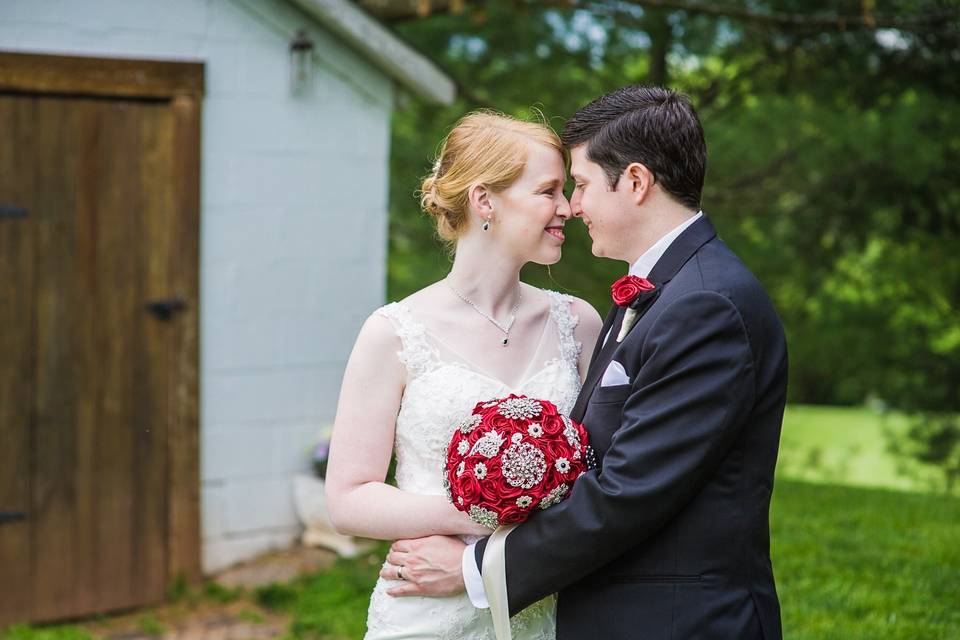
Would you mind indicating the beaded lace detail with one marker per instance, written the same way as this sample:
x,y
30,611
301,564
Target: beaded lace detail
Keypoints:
x,y
439,397
416,353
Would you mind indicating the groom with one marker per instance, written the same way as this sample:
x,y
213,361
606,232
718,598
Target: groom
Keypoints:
x,y
668,537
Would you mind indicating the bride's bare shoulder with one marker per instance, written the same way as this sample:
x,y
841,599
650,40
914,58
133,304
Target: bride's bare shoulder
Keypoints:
x,y
426,300
382,325
587,313
578,306
588,320
589,325
378,332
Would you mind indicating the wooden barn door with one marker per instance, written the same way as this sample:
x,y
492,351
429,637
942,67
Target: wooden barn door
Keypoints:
x,y
99,163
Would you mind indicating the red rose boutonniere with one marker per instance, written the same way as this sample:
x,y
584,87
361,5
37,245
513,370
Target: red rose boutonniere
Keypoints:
x,y
631,292
628,288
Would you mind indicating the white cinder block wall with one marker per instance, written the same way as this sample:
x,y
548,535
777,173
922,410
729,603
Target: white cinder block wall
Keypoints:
x,y
293,238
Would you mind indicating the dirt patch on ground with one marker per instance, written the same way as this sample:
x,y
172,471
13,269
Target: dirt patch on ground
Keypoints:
x,y
279,566
210,621
198,615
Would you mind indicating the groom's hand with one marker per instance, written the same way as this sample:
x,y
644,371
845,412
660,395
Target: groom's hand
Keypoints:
x,y
430,566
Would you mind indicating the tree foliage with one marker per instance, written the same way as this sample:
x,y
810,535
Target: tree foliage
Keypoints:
x,y
834,165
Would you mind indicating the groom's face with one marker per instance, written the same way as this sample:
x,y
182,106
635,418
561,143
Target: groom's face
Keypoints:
x,y
600,207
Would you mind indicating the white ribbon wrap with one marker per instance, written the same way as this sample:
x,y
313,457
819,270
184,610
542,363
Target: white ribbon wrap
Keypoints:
x,y
629,318
494,572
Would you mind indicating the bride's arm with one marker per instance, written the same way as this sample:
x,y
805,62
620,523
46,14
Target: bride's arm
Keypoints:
x,y
587,332
360,502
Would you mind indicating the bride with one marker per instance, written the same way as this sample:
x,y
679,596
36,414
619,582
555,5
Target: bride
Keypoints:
x,y
420,365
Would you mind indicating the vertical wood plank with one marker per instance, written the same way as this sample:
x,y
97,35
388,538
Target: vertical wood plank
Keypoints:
x,y
153,377
87,352
184,437
54,441
16,367
116,304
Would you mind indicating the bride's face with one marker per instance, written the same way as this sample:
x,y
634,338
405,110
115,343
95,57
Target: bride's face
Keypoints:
x,y
530,214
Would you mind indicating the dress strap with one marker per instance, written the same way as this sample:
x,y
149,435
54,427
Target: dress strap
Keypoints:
x,y
566,322
416,353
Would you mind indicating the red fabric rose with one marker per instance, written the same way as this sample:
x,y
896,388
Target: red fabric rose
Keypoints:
x,y
626,289
552,425
512,456
468,487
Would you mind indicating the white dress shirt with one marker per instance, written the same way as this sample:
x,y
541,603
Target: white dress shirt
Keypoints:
x,y
472,579
645,263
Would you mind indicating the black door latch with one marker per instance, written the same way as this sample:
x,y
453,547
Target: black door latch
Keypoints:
x,y
166,307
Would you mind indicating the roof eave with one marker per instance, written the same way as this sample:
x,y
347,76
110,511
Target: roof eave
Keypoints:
x,y
383,49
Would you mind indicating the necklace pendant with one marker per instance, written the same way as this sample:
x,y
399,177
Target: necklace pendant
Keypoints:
x,y
505,340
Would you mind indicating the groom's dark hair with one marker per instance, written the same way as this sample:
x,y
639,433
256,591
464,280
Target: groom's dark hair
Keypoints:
x,y
654,126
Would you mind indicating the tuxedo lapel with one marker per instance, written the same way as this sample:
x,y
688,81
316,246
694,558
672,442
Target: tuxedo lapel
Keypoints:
x,y
599,364
607,324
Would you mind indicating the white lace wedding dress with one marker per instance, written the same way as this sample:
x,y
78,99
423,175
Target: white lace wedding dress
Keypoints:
x,y
442,389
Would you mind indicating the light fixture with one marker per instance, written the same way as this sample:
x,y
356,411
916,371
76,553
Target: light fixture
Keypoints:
x,y
301,64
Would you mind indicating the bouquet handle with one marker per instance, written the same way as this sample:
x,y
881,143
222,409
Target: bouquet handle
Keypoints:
x,y
494,573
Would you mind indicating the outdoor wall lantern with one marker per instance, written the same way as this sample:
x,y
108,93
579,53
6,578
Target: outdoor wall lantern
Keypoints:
x,y
301,64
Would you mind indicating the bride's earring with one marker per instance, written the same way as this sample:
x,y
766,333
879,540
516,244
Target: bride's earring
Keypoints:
x,y
486,225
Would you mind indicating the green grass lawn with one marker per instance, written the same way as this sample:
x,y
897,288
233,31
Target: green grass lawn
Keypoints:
x,y
330,605
849,446
857,563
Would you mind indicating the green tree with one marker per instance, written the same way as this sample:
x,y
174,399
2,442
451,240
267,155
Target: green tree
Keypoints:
x,y
833,132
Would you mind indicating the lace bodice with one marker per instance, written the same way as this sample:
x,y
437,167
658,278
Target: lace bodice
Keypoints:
x,y
441,390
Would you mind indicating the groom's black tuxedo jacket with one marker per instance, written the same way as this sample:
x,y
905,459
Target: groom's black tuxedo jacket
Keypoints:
x,y
669,538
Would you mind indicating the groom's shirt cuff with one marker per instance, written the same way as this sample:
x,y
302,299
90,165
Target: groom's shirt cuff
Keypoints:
x,y
472,578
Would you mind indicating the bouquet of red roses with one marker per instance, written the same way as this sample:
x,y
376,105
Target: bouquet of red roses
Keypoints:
x,y
511,456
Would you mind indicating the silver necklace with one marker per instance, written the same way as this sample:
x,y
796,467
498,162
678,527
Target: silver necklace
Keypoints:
x,y
493,321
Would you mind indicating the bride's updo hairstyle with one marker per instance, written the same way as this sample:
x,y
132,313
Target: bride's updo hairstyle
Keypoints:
x,y
484,147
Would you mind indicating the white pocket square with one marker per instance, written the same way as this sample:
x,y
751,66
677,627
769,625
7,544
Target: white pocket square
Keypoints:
x,y
614,375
